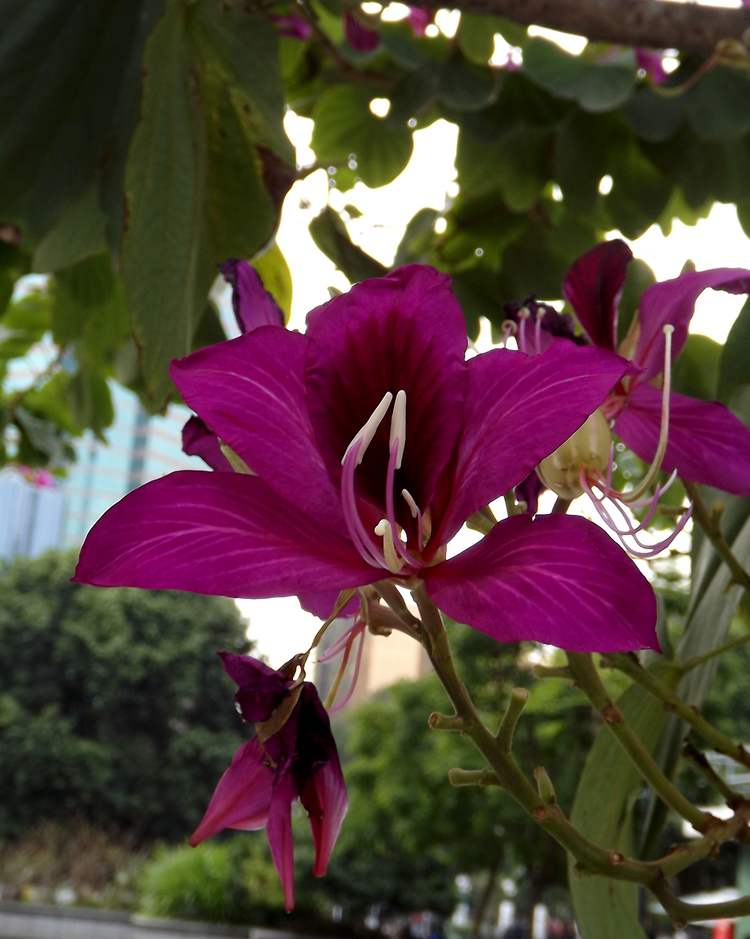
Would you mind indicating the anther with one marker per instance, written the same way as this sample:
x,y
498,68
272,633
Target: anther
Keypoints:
x,y
409,500
368,430
383,530
398,426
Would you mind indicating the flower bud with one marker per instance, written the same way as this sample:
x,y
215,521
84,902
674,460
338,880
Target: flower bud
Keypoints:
x,y
588,449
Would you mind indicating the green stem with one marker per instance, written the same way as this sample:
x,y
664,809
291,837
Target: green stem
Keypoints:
x,y
590,857
587,679
689,664
710,524
719,741
698,759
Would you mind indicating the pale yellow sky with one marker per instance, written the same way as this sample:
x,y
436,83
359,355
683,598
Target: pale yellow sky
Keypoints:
x,y
279,626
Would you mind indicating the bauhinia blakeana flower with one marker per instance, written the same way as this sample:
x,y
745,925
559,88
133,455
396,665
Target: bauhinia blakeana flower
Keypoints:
x,y
293,756
706,442
373,440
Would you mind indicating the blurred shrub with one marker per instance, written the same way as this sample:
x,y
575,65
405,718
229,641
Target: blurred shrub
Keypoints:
x,y
114,708
232,881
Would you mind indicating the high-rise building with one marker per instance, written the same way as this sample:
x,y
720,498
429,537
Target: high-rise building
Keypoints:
x,y
139,447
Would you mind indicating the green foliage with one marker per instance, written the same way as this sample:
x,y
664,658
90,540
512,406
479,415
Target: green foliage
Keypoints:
x,y
114,708
228,881
166,119
396,771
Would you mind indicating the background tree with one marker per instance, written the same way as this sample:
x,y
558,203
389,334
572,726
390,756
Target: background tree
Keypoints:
x,y
114,709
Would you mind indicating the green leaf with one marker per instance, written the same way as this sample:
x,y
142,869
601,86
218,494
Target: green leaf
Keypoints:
x,y
639,191
717,105
91,402
516,164
166,276
696,370
243,47
734,375
276,277
345,129
653,116
24,323
78,233
330,235
583,154
210,328
239,216
13,265
418,239
596,86
476,35
607,909
464,86
75,124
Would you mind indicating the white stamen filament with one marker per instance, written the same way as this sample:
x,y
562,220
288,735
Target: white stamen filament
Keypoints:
x,y
383,530
369,428
398,426
409,500
655,467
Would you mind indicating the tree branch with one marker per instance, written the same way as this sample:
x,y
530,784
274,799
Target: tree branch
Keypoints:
x,y
658,24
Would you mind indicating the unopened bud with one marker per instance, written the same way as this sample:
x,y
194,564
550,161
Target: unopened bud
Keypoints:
x,y
588,449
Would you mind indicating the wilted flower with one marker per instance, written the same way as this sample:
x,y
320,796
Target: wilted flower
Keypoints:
x,y
293,756
373,440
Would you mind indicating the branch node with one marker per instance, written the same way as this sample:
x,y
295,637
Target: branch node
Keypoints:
x,y
445,722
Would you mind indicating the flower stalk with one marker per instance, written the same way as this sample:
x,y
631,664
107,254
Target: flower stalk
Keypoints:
x,y
540,803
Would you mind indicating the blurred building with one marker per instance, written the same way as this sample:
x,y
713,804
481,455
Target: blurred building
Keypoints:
x,y
139,447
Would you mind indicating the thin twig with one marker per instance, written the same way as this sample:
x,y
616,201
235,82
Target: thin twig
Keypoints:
x,y
711,525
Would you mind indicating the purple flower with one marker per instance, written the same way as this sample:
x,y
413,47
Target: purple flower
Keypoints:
x,y
292,25
419,20
652,63
706,442
293,756
253,305
373,441
359,36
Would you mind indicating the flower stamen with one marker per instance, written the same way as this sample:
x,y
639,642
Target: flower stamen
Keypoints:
x,y
393,562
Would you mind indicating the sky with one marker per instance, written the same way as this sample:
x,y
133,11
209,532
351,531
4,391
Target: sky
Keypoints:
x,y
279,627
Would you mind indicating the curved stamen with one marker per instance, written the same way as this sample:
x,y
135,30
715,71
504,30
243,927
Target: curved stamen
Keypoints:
x,y
398,427
355,675
352,458
538,331
337,645
357,531
523,315
632,531
415,514
661,448
384,530
368,430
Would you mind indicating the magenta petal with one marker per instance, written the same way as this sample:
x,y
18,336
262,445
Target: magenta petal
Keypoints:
x,y
250,392
260,688
555,579
673,301
707,443
198,440
405,331
652,63
321,603
324,798
593,286
216,533
279,831
359,36
253,305
419,20
519,409
242,796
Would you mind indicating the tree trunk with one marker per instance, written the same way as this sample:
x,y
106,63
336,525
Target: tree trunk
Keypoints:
x,y
484,899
